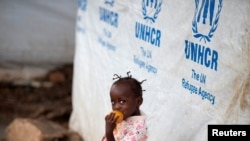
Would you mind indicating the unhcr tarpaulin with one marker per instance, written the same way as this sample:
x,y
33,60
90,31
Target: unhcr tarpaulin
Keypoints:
x,y
194,54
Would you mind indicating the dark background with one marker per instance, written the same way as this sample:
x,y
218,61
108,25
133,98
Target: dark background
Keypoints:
x,y
49,99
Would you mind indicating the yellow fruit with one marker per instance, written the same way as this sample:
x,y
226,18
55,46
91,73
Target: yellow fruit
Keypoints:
x,y
120,116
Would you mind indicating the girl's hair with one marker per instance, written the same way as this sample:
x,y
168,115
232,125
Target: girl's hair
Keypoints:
x,y
134,83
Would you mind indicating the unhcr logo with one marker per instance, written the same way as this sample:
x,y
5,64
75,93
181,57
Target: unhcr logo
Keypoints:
x,y
151,9
82,4
110,2
144,32
108,16
207,18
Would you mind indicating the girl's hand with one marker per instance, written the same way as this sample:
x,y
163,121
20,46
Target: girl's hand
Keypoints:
x,y
110,123
110,126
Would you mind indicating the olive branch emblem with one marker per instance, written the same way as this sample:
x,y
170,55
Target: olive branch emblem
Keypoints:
x,y
109,2
157,11
82,4
213,27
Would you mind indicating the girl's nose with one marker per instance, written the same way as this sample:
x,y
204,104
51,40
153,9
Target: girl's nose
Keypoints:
x,y
117,106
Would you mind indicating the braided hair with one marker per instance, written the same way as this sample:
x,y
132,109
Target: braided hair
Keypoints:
x,y
134,83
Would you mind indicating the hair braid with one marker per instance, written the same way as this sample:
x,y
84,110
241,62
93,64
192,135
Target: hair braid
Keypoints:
x,y
134,83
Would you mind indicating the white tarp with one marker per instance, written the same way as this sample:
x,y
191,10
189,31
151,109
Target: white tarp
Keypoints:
x,y
194,54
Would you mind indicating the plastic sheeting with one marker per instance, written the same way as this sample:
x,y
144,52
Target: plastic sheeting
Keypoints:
x,y
194,55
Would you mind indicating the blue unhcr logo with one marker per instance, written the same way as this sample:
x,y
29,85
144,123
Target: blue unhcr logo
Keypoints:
x,y
110,2
204,16
151,9
82,4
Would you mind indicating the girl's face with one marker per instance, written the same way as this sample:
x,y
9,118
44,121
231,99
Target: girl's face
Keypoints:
x,y
124,100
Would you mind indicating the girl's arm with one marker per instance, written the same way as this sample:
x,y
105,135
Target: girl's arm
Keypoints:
x,y
110,126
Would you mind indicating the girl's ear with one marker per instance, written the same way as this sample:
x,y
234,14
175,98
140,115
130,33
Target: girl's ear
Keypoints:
x,y
139,101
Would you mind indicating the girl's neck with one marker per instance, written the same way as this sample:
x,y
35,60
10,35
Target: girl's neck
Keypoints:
x,y
136,113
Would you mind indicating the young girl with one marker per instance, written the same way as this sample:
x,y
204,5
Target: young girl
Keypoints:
x,y
126,97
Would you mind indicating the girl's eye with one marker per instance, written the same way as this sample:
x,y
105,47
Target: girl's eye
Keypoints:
x,y
122,101
112,102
